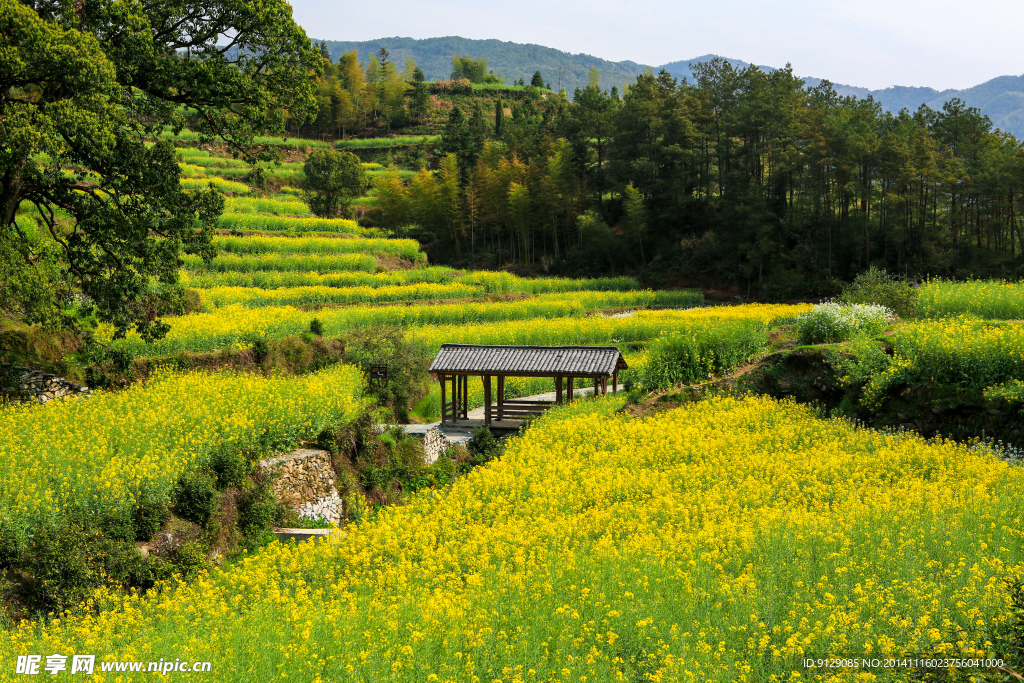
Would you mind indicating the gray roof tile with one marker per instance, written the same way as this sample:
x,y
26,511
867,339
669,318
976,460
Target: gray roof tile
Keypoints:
x,y
512,360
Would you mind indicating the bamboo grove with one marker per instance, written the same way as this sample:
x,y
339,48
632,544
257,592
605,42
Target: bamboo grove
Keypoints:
x,y
743,177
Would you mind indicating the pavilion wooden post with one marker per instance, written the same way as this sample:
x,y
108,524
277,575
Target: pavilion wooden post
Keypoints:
x,y
455,398
615,381
487,399
558,390
465,397
501,397
457,390
597,387
444,410
571,392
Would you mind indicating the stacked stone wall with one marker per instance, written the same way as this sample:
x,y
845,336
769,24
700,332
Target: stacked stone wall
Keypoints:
x,y
304,480
19,383
434,443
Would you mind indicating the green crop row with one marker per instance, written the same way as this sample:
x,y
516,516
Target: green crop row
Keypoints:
x,y
271,279
254,222
276,207
218,183
248,263
257,244
384,143
252,297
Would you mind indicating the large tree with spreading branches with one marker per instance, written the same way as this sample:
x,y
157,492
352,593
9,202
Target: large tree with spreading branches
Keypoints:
x,y
91,210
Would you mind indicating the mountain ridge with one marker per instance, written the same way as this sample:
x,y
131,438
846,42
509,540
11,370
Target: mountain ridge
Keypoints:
x,y
1000,98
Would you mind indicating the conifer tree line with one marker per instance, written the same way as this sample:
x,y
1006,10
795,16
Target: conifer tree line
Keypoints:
x,y
742,177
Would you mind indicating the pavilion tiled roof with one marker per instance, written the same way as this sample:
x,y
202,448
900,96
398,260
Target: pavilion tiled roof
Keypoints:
x,y
578,361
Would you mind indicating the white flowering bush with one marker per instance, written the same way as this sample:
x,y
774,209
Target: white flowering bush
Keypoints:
x,y
834,322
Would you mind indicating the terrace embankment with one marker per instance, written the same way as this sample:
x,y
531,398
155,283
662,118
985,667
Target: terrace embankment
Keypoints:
x,y
816,375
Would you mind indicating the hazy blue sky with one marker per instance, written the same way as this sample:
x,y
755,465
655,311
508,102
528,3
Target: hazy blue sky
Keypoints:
x,y
869,43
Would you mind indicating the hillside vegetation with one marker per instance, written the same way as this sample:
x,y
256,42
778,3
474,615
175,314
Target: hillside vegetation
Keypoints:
x,y
1001,98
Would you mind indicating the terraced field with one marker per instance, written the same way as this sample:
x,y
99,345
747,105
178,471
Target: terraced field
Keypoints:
x,y
727,540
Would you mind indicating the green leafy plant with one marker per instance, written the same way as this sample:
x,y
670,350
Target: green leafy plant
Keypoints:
x,y
875,286
257,509
195,497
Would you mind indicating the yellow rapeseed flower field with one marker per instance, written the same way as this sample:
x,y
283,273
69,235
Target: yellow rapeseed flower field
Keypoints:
x,y
989,299
237,324
96,454
723,541
962,352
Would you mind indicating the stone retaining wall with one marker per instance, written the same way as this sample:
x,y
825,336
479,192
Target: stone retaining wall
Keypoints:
x,y
25,384
304,481
434,443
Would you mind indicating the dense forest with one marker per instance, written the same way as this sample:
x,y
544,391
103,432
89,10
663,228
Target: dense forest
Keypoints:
x,y
743,178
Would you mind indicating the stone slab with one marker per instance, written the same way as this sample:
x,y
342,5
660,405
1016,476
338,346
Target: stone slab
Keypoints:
x,y
299,535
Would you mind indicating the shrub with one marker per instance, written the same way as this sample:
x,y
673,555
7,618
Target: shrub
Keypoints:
x,y
406,361
260,350
229,468
257,509
195,497
831,322
875,286
189,559
149,515
316,327
117,524
64,563
483,446
11,543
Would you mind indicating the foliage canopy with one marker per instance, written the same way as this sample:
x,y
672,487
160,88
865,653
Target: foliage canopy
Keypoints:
x,y
81,87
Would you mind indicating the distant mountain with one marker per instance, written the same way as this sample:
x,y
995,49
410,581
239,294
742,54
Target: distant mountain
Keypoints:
x,y
1001,99
511,60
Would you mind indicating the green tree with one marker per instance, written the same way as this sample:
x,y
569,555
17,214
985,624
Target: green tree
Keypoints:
x,y
537,81
81,85
499,116
473,70
419,99
332,179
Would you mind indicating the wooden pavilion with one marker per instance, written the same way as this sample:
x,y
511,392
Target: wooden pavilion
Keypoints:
x,y
456,363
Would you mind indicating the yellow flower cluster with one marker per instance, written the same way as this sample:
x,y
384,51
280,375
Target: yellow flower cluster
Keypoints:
x,y
99,452
219,183
723,541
